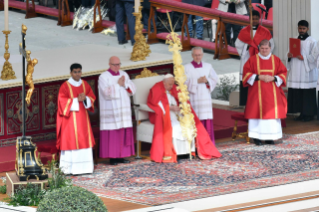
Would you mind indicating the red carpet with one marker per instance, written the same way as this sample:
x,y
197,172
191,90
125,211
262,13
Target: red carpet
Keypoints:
x,y
8,155
224,125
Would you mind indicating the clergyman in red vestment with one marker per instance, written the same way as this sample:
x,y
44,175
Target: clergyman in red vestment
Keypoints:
x,y
168,141
247,47
265,75
74,133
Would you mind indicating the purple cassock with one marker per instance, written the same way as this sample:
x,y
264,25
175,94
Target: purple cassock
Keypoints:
x,y
208,123
118,143
209,126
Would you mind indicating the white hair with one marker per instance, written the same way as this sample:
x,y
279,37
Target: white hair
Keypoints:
x,y
197,48
168,76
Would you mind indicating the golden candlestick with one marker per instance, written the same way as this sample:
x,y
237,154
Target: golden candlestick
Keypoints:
x,y
7,72
141,49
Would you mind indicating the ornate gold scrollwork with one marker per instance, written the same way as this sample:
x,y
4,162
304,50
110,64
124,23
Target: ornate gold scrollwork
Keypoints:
x,y
146,73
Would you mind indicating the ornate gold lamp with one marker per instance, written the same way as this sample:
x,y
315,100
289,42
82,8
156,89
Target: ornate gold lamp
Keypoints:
x,y
7,72
141,49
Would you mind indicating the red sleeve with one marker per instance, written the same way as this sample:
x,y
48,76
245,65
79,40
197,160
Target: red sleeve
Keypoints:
x,y
64,105
64,101
248,70
152,102
281,71
89,93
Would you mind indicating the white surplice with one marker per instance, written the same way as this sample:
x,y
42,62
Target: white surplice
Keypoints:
x,y
264,129
79,161
315,54
199,94
244,53
115,102
181,145
303,74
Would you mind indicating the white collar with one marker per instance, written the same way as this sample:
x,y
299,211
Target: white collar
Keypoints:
x,y
75,83
263,57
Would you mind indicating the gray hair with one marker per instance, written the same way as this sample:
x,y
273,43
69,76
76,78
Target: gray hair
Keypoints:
x,y
265,42
197,48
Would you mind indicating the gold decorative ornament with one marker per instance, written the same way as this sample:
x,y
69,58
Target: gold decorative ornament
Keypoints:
x,y
29,78
146,73
141,49
186,119
24,29
7,72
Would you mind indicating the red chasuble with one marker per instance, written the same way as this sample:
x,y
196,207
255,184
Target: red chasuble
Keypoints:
x,y
262,33
265,100
162,149
73,127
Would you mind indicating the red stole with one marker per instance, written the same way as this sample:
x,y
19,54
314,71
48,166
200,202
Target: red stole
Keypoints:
x,y
73,127
262,33
162,149
265,100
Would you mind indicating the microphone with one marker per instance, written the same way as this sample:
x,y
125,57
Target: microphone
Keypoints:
x,y
260,7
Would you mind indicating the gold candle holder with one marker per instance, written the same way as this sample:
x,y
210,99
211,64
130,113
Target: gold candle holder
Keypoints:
x,y
141,49
7,72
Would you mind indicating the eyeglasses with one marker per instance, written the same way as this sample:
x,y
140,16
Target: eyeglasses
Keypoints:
x,y
116,64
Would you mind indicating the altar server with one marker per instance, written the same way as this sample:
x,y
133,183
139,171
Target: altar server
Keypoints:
x,y
168,141
201,81
74,133
116,132
302,78
246,47
265,75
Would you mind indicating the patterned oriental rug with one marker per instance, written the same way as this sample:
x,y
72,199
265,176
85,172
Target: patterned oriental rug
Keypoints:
x,y
242,167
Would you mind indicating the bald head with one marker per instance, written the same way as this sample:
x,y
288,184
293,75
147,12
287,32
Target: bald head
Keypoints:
x,y
115,63
169,83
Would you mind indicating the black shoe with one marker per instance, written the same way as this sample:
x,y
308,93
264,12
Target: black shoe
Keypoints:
x,y
270,142
299,118
186,156
122,42
200,38
307,118
113,161
258,142
122,160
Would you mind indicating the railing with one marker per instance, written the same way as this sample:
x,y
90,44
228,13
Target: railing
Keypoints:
x,y
223,18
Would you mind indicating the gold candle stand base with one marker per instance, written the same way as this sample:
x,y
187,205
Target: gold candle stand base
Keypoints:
x,y
141,49
7,72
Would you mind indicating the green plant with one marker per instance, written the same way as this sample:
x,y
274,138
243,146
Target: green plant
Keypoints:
x,y
226,86
29,195
71,199
58,179
3,188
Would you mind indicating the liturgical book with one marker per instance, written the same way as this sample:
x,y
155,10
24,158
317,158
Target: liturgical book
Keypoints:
x,y
294,46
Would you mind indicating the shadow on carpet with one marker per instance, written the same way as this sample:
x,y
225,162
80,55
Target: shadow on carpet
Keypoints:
x,y
242,167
